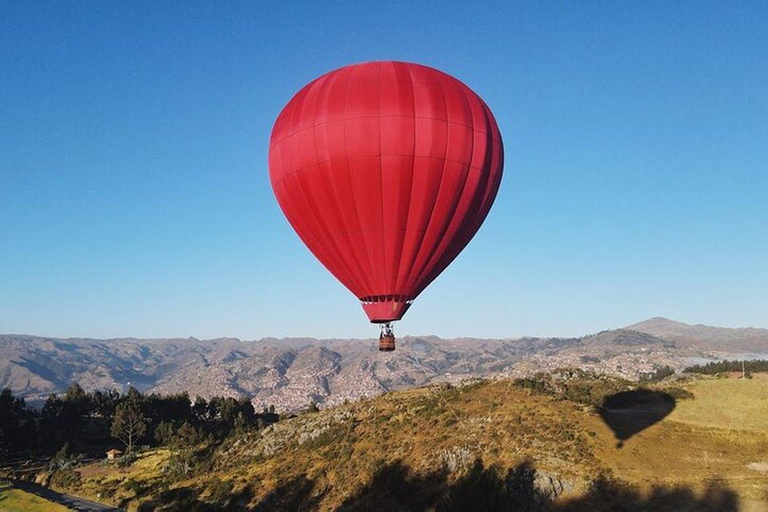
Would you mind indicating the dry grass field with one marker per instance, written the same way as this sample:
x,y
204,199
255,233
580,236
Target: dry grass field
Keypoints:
x,y
16,500
733,404
720,436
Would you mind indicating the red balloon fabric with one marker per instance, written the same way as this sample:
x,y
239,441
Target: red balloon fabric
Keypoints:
x,y
386,170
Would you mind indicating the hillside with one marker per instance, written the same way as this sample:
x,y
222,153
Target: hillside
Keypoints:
x,y
291,373
490,444
706,338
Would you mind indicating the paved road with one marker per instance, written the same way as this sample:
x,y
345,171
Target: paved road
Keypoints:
x,y
71,502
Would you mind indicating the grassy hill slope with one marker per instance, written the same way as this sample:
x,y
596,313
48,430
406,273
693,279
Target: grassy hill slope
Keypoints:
x,y
490,444
16,500
720,436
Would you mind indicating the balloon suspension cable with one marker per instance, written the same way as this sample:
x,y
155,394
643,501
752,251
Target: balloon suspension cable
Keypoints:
x,y
387,338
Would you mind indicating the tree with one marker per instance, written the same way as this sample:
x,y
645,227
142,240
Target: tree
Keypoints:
x,y
228,409
134,395
246,409
214,408
77,405
164,433
240,424
12,412
104,402
61,458
200,409
62,419
128,424
184,457
76,393
186,436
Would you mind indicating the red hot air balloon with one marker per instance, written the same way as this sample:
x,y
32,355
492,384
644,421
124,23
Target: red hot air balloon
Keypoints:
x,y
386,170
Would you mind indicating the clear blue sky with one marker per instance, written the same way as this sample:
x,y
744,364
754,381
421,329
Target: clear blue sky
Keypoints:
x,y
135,200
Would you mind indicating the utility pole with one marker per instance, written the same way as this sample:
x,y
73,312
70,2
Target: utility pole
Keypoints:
x,y
743,373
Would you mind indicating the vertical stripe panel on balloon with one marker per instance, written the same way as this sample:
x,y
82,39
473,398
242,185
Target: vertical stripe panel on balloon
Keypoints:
x,y
329,130
397,143
307,175
321,182
483,184
446,191
407,111
363,150
419,194
341,180
429,150
301,145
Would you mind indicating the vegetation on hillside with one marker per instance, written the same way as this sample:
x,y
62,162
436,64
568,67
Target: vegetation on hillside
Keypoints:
x,y
713,368
87,423
590,388
658,375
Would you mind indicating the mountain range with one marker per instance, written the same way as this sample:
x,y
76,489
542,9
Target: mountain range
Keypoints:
x,y
290,373
706,338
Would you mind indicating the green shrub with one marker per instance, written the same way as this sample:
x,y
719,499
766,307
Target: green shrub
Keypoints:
x,y
164,433
127,459
715,367
658,375
66,478
679,393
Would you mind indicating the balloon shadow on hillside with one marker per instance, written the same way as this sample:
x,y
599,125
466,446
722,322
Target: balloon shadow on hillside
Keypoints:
x,y
630,412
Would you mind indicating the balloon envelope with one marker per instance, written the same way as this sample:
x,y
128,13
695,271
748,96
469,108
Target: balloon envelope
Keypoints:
x,y
386,170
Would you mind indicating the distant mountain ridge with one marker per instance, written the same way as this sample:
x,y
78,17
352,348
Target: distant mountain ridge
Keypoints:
x,y
268,369
291,372
704,337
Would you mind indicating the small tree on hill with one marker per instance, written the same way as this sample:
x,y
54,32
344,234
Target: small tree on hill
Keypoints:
x,y
164,433
61,458
128,424
186,436
240,425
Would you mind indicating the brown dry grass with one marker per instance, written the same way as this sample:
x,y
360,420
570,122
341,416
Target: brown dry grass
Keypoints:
x,y
715,437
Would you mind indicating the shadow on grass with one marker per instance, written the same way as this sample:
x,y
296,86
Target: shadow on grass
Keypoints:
x,y
608,494
295,494
522,489
188,499
630,412
394,487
